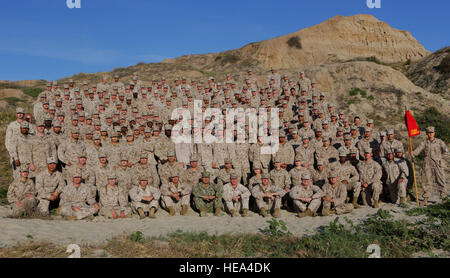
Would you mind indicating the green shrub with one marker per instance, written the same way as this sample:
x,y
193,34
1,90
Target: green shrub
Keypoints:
x,y
13,101
371,97
355,91
432,117
32,92
294,42
276,228
137,237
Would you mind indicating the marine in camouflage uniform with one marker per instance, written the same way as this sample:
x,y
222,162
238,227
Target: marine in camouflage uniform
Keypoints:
x,y
268,197
370,174
49,184
236,196
306,197
144,198
176,195
207,196
113,201
396,180
22,194
434,164
77,201
334,197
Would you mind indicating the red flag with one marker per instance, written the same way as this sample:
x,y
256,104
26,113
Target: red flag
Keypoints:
x,y
411,124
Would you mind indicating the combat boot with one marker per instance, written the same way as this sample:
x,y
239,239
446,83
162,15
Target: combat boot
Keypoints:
x,y
325,211
375,204
355,203
233,213
171,211
364,198
141,213
90,217
70,218
302,214
244,212
425,202
151,213
347,199
309,212
184,210
202,212
263,212
217,212
332,211
276,213
402,200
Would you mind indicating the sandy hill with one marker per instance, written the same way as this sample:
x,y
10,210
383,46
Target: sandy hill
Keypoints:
x,y
433,72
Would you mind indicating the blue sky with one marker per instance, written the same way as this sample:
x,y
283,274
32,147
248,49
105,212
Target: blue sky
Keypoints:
x,y
46,40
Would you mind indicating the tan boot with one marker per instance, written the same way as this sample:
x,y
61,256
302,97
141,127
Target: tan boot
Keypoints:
x,y
332,211
325,211
151,213
70,218
425,202
233,213
402,200
58,210
141,213
202,212
217,212
376,204
355,203
347,199
184,210
302,214
263,212
90,217
244,212
309,212
276,213
171,211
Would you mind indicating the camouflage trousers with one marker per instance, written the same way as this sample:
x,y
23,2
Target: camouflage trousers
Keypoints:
x,y
168,201
372,191
28,206
434,173
269,204
209,206
355,188
107,211
342,209
397,191
302,206
83,213
145,206
242,203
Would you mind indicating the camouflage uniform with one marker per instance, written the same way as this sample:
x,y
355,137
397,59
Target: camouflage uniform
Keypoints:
x,y
46,185
17,192
229,192
434,165
393,174
210,190
137,193
370,173
80,197
338,193
258,192
312,191
168,201
113,199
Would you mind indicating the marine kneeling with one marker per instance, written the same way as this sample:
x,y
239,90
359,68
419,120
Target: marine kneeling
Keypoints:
x,y
306,197
334,197
236,196
176,196
144,198
268,197
77,201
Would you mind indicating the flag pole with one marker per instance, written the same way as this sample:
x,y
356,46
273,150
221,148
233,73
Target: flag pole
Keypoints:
x,y
414,171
